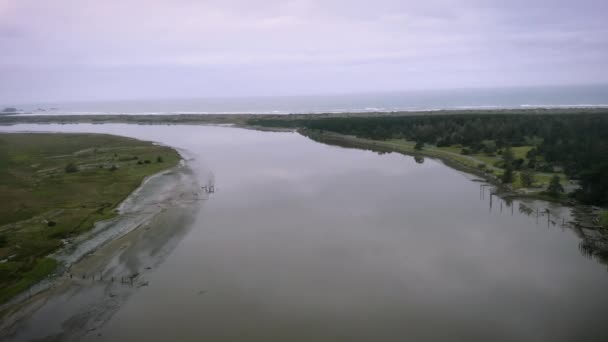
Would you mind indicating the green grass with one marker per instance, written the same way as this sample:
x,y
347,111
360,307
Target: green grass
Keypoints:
x,y
35,189
39,270
521,151
604,218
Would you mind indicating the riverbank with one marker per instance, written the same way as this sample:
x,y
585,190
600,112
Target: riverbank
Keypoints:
x,y
55,187
110,263
463,163
587,217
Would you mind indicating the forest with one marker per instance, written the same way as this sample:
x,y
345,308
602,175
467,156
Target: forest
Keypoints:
x,y
576,144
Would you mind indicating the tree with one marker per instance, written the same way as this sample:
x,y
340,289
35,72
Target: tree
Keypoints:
x,y
71,168
526,178
507,158
555,187
594,184
159,159
10,110
507,176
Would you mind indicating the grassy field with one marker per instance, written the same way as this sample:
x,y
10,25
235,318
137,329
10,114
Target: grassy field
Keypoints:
x,y
55,186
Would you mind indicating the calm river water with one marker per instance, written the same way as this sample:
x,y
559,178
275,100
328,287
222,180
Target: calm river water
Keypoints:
x,y
308,242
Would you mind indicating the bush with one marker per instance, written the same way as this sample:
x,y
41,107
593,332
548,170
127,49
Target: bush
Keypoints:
x,y
443,143
51,223
526,178
3,241
71,168
159,159
465,151
114,168
507,176
555,188
147,161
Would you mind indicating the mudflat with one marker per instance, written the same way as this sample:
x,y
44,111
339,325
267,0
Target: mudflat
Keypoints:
x,y
54,187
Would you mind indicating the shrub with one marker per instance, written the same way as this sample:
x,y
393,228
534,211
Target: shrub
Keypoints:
x,y
465,151
526,178
555,187
114,168
507,176
71,168
51,223
147,161
159,159
518,163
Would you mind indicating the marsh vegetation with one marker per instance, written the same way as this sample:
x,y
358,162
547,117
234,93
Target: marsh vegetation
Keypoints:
x,y
56,186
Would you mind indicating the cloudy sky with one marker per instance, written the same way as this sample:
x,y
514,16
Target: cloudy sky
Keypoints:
x,y
58,50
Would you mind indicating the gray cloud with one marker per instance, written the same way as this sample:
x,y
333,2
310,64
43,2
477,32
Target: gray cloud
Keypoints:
x,y
85,49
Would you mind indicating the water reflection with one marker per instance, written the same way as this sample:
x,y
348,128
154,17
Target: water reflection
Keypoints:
x,y
593,244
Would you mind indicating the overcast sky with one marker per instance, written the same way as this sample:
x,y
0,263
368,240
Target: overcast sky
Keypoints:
x,y
58,50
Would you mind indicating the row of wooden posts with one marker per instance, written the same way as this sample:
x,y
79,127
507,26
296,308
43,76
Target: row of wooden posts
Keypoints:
x,y
547,211
208,188
121,280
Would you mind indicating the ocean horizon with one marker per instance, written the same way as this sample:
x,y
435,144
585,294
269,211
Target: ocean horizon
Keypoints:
x,y
406,101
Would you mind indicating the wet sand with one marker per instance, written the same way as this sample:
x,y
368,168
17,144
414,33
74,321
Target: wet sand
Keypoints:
x,y
110,263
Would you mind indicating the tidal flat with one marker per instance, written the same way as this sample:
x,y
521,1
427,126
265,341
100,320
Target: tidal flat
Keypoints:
x,y
54,187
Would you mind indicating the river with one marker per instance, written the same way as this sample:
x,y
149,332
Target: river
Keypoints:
x,y
303,241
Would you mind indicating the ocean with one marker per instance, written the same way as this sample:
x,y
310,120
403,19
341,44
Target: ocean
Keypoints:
x,y
483,98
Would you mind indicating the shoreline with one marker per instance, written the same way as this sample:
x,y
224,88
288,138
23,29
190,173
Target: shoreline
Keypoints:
x,y
585,214
161,197
100,232
97,193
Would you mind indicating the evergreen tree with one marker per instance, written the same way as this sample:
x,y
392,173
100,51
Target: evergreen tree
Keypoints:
x,y
507,159
555,187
